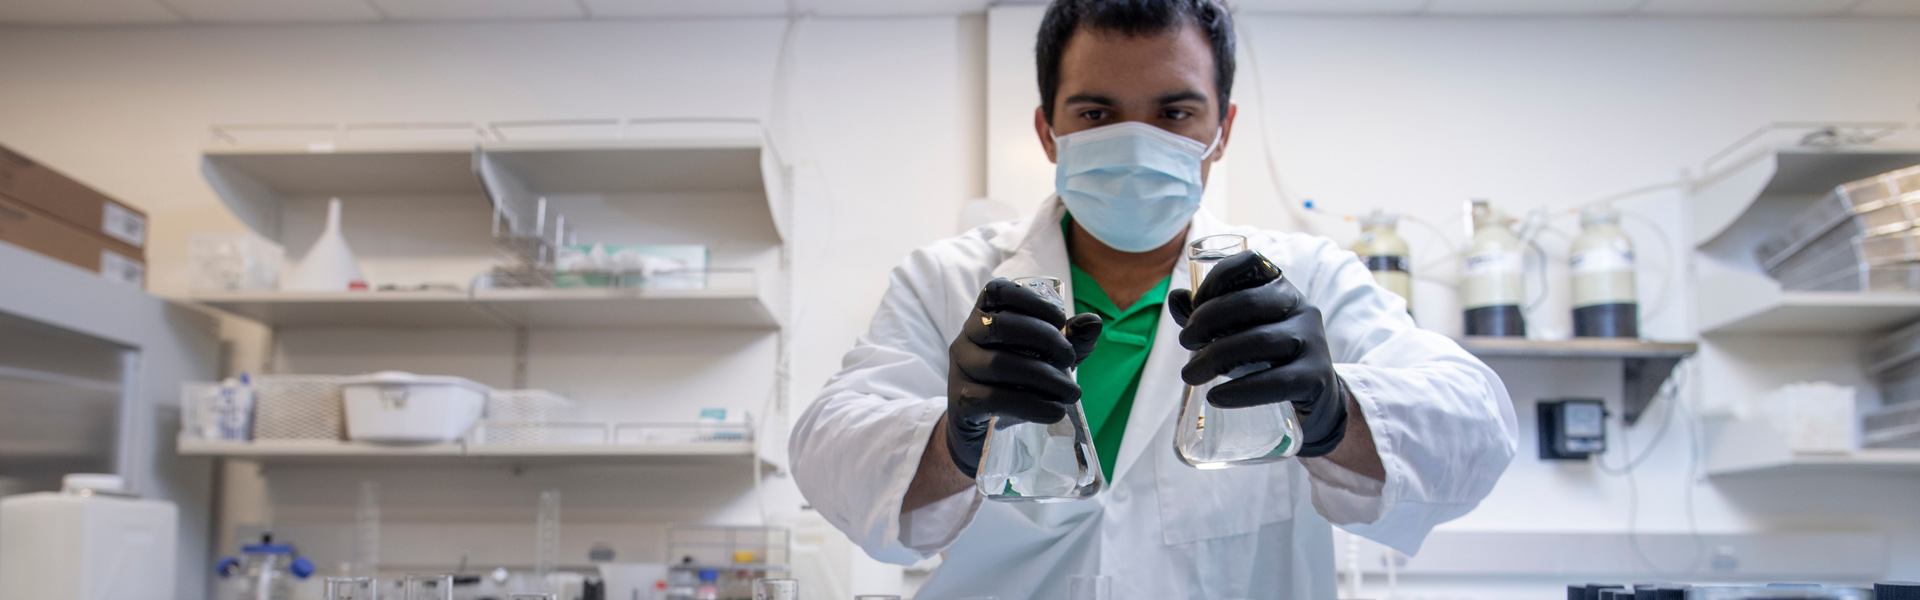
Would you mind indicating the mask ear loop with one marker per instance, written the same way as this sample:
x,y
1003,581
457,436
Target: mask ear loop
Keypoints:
x,y
1218,134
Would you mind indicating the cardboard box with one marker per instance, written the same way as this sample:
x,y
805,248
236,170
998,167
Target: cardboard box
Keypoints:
x,y
29,228
28,182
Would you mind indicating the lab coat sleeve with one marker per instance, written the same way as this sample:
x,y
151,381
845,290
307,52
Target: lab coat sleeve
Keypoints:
x,y
1440,418
856,448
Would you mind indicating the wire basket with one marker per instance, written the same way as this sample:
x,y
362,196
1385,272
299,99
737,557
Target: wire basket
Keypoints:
x,y
299,407
518,433
527,406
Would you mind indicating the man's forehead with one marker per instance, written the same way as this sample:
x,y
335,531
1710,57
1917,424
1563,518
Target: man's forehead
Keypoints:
x,y
1171,65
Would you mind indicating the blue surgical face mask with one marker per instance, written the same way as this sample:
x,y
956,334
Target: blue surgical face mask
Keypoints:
x,y
1132,185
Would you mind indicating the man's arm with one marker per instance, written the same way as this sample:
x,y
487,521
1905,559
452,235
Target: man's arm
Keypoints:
x,y
1355,453
937,478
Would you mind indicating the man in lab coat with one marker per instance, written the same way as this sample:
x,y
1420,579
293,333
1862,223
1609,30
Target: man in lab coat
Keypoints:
x,y
1402,430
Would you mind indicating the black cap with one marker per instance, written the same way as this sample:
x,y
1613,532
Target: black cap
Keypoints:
x,y
1576,592
1896,590
1616,594
1644,591
1671,592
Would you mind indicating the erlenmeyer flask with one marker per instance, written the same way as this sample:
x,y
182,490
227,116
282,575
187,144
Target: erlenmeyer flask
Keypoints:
x,y
1041,462
1210,437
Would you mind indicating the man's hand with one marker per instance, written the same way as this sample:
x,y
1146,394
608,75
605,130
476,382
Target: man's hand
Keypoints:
x,y
1246,314
1011,361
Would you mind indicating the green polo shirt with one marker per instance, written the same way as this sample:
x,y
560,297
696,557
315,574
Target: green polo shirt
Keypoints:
x,y
1110,376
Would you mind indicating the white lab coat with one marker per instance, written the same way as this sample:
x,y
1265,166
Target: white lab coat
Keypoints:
x,y
1441,419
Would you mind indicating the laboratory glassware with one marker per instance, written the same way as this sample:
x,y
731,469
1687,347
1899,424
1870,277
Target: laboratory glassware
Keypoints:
x,y
430,587
1041,462
352,588
1089,587
1210,437
777,589
366,531
263,571
546,546
1493,284
1605,303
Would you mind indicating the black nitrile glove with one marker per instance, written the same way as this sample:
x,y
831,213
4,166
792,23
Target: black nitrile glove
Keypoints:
x,y
1246,313
1011,361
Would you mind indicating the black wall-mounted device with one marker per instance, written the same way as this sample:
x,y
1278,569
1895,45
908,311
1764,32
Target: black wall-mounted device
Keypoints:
x,y
1572,428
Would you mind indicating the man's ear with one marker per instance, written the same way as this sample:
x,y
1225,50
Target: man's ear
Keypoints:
x,y
1226,131
1045,131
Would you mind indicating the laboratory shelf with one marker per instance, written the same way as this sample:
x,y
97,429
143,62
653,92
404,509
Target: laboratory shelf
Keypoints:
x,y
1749,448
1645,366
461,454
1743,304
367,169
731,307
343,309
631,166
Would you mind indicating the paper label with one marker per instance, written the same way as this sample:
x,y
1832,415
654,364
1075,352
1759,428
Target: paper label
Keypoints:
x,y
1602,260
124,225
122,269
1493,262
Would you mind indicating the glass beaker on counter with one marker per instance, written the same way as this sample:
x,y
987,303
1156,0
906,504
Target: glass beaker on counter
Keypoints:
x,y
1041,462
1210,437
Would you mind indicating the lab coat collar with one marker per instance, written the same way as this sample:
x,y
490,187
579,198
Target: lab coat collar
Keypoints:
x,y
1041,250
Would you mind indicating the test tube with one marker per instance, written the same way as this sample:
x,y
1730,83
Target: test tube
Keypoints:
x,y
352,588
1089,587
776,589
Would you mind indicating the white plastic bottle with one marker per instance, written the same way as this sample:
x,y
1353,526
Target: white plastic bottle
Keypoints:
x,y
1493,284
89,541
1605,303
1386,254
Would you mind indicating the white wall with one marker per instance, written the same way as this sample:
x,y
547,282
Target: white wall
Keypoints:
x,y
881,118
1418,115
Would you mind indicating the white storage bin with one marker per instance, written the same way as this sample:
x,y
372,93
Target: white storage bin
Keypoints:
x,y
90,541
403,408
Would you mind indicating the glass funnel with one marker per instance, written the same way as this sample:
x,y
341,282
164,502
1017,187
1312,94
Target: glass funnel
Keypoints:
x,y
1210,437
1041,462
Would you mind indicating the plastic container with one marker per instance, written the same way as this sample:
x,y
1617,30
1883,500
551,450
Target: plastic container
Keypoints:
x,y
89,541
1895,426
1866,207
396,407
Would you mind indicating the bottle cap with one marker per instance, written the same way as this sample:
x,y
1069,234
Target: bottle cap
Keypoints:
x,y
743,556
709,575
1598,214
1896,590
83,483
1380,218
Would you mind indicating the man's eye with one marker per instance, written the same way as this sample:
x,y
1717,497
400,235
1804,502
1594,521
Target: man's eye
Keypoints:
x,y
1094,115
1178,113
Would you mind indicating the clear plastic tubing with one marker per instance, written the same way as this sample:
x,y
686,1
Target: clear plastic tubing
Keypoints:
x,y
1041,462
1210,437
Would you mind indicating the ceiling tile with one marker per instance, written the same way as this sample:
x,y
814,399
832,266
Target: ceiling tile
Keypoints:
x,y
892,7
636,9
1339,7
1790,8
1531,7
1887,8
275,11
84,12
474,10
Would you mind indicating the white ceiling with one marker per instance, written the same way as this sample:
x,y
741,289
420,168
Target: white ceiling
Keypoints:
x,y
120,12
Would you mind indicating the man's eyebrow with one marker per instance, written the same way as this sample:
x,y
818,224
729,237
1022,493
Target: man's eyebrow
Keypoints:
x,y
1089,99
1186,96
